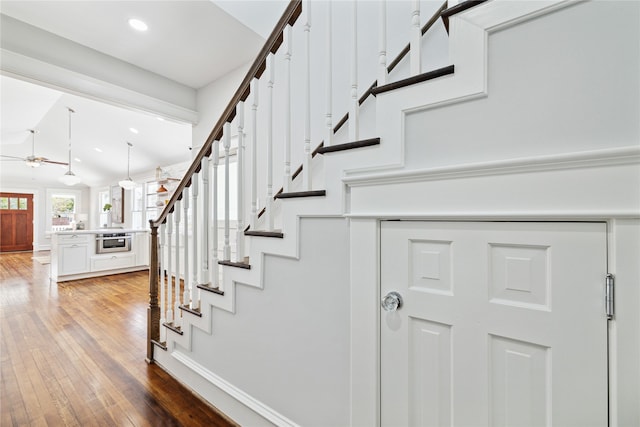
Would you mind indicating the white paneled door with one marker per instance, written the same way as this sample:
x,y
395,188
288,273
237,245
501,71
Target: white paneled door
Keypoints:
x,y
500,324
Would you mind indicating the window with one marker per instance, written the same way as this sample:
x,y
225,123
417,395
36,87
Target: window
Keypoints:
x,y
15,203
137,207
103,199
153,204
63,209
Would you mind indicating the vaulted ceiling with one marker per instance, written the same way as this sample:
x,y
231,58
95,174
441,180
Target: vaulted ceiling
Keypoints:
x,y
188,45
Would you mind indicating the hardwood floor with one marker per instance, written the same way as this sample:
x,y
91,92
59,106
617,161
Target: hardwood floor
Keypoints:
x,y
73,354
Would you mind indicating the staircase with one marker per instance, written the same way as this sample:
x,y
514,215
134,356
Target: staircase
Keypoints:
x,y
315,98
265,264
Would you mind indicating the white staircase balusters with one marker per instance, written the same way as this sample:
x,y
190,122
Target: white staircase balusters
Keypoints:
x,y
226,251
286,181
306,165
240,183
195,239
382,43
328,137
163,280
215,275
416,40
269,199
176,303
254,153
186,292
169,270
354,106
204,235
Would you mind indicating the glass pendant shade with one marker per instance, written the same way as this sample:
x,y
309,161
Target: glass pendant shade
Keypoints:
x,y
127,184
69,178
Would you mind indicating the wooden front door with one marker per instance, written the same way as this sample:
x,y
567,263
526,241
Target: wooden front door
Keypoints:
x,y
16,222
501,324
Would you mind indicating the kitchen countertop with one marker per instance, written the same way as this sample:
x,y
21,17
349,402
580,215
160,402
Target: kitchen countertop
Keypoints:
x,y
101,231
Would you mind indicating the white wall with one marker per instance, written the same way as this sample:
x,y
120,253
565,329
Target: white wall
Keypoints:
x,y
558,92
287,345
211,101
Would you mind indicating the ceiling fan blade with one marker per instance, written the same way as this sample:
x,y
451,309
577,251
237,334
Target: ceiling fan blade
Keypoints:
x,y
12,157
54,162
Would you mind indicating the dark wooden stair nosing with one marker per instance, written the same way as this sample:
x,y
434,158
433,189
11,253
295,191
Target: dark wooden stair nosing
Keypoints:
x,y
276,234
209,288
350,145
235,264
162,345
194,311
461,7
176,329
429,75
297,194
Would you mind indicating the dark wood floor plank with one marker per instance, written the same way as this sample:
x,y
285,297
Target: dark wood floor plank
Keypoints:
x,y
73,354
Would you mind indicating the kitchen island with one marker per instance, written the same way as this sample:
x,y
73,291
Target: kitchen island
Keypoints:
x,y
80,254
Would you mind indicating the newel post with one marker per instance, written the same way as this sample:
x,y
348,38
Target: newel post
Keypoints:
x,y
153,312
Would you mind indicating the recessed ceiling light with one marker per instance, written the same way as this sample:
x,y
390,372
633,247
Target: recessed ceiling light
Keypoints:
x,y
137,24
98,150
134,130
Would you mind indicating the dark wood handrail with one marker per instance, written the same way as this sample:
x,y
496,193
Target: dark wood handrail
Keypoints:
x,y
289,17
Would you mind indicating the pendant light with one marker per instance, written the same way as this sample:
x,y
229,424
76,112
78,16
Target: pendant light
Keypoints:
x,y
70,178
31,161
128,183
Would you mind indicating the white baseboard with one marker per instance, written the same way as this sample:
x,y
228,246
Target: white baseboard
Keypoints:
x,y
228,398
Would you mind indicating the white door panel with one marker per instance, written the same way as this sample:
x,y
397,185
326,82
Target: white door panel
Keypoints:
x,y
501,324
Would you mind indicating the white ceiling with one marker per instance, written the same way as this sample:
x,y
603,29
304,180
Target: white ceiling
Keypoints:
x,y
190,42
93,125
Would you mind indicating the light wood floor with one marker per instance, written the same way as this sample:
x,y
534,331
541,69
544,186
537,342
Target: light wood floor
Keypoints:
x,y
73,354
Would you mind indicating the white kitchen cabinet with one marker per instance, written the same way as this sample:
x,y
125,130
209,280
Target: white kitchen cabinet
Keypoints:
x,y
73,255
74,238
73,258
113,261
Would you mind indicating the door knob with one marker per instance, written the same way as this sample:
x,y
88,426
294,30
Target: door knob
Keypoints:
x,y
391,301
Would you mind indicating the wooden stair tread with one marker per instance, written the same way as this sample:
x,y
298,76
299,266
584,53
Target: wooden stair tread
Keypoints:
x,y
460,7
161,345
299,170
296,194
350,145
414,80
236,264
176,329
209,288
276,234
194,311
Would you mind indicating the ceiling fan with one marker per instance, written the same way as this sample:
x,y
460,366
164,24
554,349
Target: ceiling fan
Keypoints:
x,y
32,160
